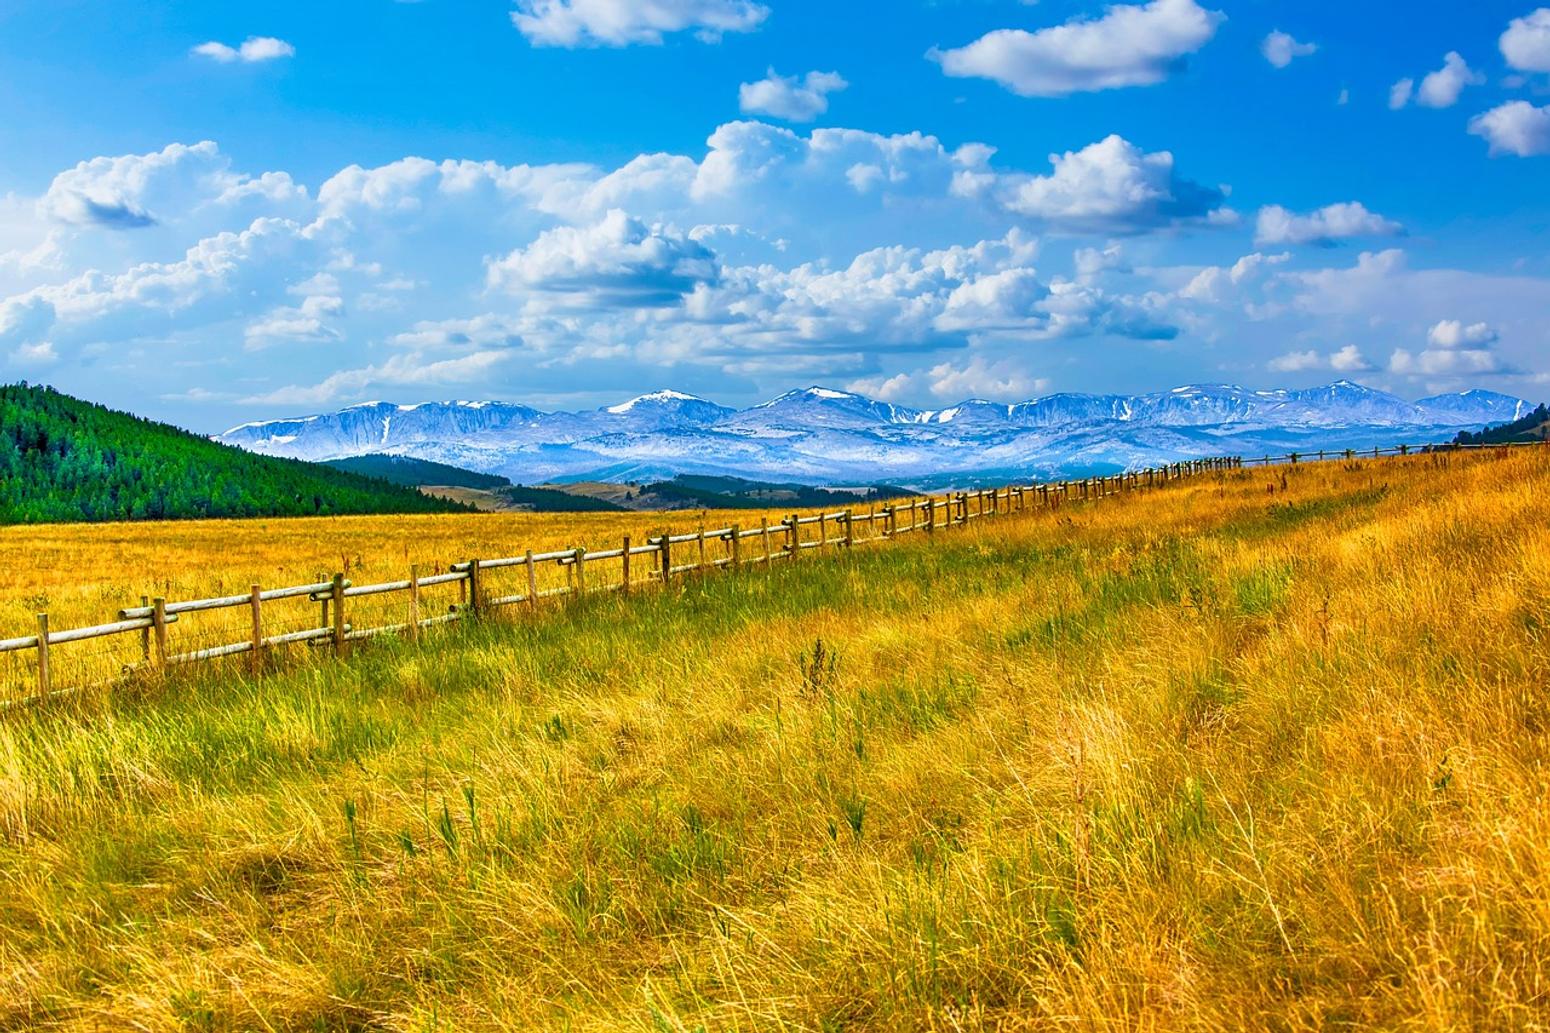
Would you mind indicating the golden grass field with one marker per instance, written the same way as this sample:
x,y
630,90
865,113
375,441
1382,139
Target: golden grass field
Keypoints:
x,y
1264,750
83,574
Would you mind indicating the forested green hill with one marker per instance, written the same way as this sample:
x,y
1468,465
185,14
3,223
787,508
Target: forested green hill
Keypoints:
x,y
1533,427
62,459
415,472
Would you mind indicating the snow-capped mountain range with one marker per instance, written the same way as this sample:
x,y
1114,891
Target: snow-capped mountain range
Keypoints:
x,y
823,436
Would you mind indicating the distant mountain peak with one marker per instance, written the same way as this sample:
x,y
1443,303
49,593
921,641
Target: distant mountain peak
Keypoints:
x,y
818,434
655,398
827,394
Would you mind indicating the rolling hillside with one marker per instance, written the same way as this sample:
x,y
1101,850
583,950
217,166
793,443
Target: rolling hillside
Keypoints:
x,y
1533,427
413,473
1263,751
63,459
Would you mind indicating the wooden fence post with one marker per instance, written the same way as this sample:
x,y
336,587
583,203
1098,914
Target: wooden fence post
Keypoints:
x,y
764,537
159,626
532,582
737,546
823,531
665,557
145,635
850,529
625,557
581,571
338,597
699,566
44,678
795,532
414,602
256,655
475,587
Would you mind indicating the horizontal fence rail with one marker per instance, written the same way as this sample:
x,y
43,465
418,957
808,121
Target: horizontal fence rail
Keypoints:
x,y
530,578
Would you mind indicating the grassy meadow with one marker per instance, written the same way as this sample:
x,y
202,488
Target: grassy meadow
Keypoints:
x,y
83,574
1264,750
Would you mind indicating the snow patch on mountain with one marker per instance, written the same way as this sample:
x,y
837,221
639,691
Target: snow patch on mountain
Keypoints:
x,y
823,435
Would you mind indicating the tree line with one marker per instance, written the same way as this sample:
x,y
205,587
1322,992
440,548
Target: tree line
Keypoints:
x,y
64,459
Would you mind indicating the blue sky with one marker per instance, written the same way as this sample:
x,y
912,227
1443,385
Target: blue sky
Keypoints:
x,y
214,213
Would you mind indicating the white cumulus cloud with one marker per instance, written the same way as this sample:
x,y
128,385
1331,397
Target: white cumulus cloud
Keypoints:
x,y
1000,380
137,190
1345,360
251,51
1526,43
1295,362
1453,333
618,261
1324,226
309,321
1280,49
1111,185
768,255
1516,127
1441,362
1349,360
788,97
1441,88
618,23
1130,45
1216,284
1453,349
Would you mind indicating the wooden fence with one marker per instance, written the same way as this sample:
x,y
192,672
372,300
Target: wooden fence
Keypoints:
x,y
484,585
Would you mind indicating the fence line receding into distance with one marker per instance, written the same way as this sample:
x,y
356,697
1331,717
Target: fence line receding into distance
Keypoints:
x,y
584,571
